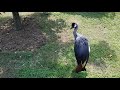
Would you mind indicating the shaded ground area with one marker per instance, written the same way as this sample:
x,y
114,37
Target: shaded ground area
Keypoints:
x,y
102,51
44,62
100,57
94,14
28,39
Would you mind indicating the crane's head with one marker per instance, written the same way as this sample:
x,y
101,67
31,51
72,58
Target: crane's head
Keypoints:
x,y
74,25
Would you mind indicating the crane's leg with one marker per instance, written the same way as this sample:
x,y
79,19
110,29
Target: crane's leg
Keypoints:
x,y
83,69
79,68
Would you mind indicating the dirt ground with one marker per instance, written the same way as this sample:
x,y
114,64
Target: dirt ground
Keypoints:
x,y
30,38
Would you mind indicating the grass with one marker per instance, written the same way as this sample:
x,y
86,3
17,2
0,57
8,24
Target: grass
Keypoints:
x,y
56,58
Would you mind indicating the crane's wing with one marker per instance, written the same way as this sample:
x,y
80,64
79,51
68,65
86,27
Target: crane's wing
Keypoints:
x,y
81,49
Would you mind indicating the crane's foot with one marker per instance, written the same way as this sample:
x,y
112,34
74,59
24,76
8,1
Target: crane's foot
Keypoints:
x,y
83,69
79,69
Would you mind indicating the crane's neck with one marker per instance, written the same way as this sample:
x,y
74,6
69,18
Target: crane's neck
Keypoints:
x,y
75,32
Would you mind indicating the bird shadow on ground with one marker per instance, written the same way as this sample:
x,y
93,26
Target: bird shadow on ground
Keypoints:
x,y
94,14
100,54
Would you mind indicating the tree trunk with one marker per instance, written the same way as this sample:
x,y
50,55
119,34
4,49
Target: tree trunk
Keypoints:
x,y
17,20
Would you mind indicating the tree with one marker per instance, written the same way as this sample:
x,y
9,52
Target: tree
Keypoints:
x,y
17,20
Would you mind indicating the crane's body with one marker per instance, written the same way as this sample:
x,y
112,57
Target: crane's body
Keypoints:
x,y
81,49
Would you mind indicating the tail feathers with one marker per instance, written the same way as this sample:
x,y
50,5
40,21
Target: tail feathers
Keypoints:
x,y
81,67
78,68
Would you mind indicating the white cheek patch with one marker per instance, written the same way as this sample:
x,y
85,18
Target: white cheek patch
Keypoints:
x,y
75,26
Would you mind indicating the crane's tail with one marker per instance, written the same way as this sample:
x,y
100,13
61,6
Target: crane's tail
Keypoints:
x,y
81,67
78,68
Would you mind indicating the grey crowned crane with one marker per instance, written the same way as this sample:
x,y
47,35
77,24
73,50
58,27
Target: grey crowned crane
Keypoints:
x,y
81,49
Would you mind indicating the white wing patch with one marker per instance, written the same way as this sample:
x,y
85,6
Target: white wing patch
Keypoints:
x,y
89,49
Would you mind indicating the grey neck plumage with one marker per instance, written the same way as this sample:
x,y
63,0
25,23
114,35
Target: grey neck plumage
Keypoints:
x,y
75,32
